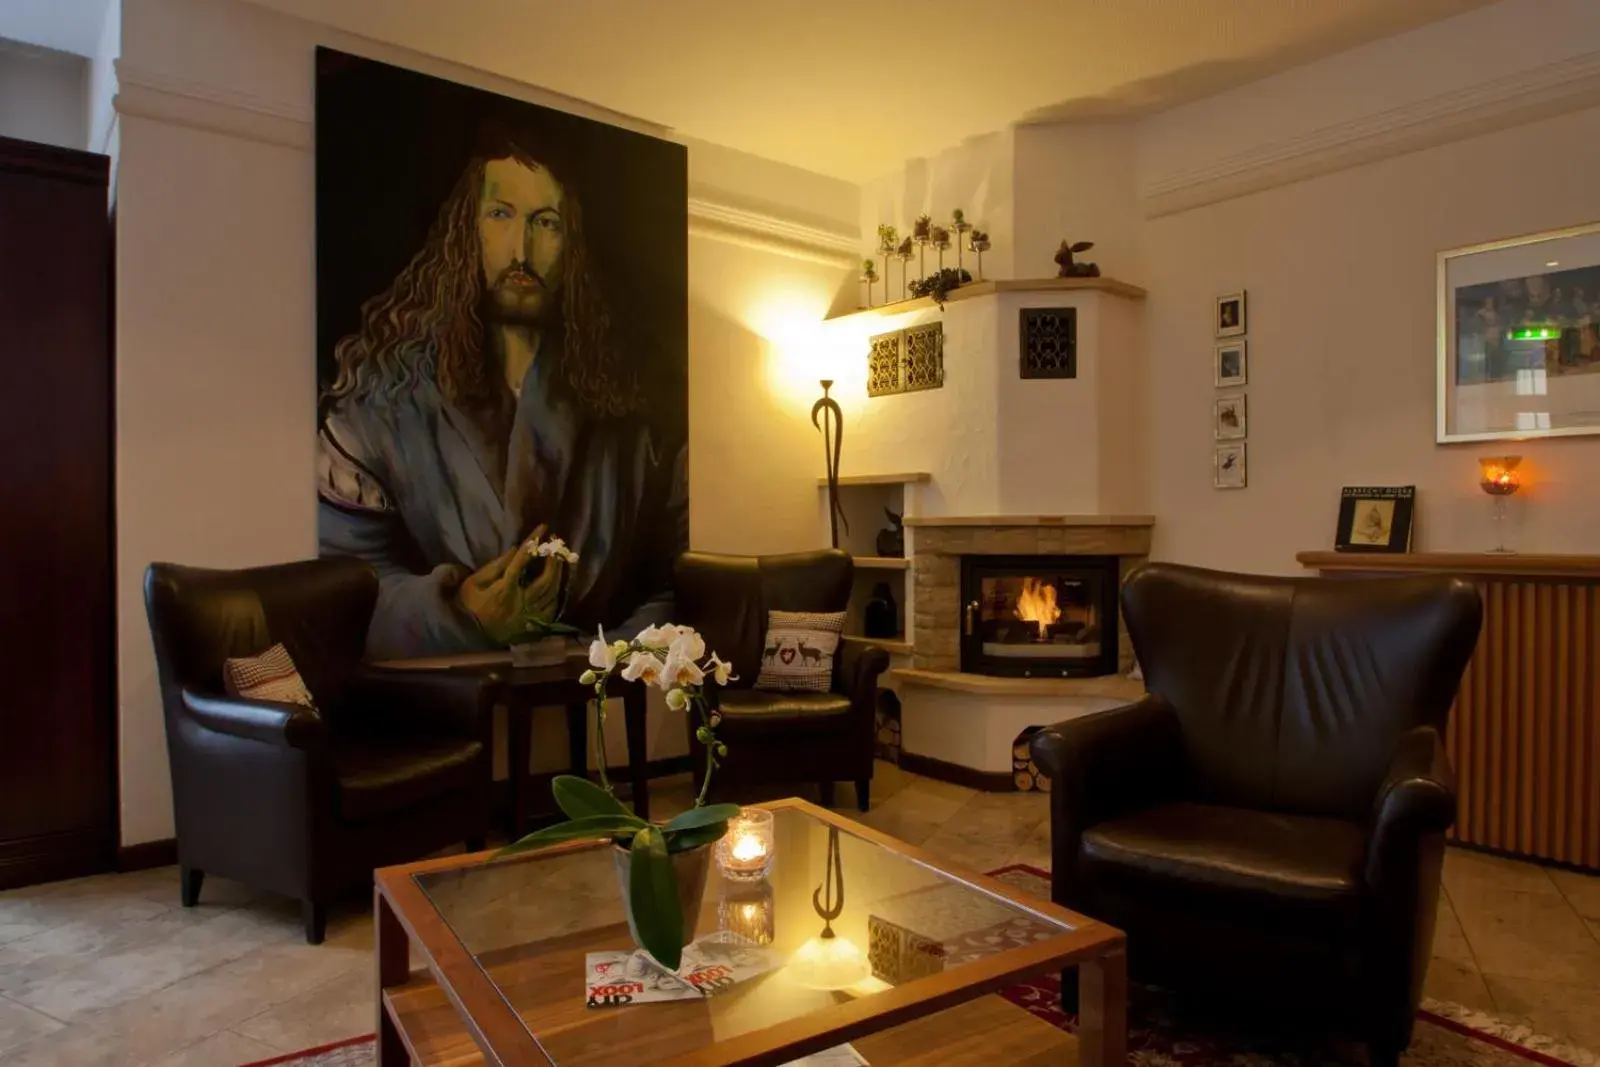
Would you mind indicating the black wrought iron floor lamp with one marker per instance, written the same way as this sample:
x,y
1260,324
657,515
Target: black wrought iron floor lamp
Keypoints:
x,y
828,410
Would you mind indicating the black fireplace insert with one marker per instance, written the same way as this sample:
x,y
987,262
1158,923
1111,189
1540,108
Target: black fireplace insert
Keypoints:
x,y
1039,616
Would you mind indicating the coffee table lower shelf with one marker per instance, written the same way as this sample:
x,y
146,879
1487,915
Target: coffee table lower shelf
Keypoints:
x,y
979,1033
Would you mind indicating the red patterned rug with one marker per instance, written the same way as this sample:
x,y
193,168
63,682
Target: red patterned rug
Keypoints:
x,y
1447,1035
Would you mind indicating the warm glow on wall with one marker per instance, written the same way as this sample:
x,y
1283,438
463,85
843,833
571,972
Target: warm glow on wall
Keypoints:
x,y
802,349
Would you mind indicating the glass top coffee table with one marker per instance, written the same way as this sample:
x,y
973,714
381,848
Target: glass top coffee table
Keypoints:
x,y
912,958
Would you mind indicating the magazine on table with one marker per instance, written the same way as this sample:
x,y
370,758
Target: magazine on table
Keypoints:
x,y
710,965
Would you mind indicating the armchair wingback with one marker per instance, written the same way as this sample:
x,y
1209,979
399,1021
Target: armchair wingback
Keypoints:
x,y
1272,813
784,737
391,765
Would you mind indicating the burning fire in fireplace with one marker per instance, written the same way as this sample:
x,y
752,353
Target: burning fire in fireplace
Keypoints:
x,y
1037,604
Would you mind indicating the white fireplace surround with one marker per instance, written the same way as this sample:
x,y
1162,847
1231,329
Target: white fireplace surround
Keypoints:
x,y
994,442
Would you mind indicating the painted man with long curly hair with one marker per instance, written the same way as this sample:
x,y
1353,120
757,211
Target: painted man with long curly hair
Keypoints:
x,y
484,400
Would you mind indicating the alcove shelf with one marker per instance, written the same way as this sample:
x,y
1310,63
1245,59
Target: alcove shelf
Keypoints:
x,y
910,478
882,563
991,286
896,646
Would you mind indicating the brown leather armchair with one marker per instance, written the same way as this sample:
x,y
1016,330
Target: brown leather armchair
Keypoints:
x,y
783,737
392,766
1268,822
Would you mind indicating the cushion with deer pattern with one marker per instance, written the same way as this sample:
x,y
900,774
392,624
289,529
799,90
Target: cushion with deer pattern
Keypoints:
x,y
798,653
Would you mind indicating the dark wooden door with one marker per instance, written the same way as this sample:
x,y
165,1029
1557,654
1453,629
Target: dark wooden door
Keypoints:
x,y
57,616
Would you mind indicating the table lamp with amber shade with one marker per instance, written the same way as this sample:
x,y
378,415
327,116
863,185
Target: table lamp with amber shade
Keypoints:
x,y
1497,476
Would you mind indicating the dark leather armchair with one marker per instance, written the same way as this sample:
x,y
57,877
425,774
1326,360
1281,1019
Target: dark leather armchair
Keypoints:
x,y
1269,819
783,737
393,764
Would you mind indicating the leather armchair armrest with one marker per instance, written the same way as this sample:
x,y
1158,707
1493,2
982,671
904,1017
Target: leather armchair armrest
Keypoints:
x,y
1417,798
267,721
449,703
1112,761
858,671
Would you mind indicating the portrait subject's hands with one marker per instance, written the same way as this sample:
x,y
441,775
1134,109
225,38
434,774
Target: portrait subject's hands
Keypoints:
x,y
496,598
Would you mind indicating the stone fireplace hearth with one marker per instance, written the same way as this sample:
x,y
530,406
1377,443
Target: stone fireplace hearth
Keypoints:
x,y
961,725
938,545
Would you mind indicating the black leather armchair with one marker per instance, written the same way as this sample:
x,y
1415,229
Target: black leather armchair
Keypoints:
x,y
783,737
1268,821
391,766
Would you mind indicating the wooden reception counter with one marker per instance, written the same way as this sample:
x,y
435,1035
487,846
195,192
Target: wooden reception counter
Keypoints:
x,y
1524,736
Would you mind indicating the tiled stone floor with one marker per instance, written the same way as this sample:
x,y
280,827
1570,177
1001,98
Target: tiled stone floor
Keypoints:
x,y
111,971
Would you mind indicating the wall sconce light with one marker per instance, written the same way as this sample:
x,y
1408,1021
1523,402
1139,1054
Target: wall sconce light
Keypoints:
x,y
1497,476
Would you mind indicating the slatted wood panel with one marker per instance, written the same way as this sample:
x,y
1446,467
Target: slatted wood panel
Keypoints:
x,y
1524,736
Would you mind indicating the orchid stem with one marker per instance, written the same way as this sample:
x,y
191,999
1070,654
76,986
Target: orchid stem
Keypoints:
x,y
711,752
600,736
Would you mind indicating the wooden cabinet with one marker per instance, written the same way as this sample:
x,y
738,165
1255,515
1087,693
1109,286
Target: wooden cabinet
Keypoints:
x,y
1524,734
57,615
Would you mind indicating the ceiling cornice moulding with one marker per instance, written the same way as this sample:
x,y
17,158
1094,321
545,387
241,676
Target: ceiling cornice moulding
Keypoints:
x,y
722,221
1569,85
146,95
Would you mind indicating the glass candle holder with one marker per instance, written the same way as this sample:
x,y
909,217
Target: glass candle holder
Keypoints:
x,y
1497,476
746,910
745,852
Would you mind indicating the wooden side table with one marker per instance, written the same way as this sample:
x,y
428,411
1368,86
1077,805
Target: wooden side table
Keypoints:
x,y
525,689
529,688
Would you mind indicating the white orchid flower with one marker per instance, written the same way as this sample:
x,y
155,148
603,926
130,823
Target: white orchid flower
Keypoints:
x,y
651,637
642,666
687,644
601,655
681,669
721,670
677,699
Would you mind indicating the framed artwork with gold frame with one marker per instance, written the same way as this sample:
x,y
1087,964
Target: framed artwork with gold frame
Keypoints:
x,y
1519,337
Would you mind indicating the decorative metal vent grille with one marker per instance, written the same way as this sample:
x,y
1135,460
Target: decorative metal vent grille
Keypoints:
x,y
906,361
1049,342
923,364
883,365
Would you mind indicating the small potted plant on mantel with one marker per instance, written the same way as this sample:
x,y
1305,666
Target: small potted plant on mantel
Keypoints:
x,y
661,869
543,642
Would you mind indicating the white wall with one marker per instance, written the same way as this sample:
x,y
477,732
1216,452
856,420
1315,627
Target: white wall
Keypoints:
x,y
1078,182
1340,270
975,176
1340,273
43,95
215,327
101,116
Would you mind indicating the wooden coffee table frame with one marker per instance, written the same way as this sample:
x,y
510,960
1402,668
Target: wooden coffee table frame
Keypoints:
x,y
490,1031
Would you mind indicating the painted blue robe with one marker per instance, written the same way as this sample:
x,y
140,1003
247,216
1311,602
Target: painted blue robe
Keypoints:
x,y
428,492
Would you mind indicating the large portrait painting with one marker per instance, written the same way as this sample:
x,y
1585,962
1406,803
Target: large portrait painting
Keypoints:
x,y
502,350
1519,337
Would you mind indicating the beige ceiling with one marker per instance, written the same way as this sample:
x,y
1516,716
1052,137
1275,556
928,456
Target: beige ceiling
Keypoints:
x,y
851,87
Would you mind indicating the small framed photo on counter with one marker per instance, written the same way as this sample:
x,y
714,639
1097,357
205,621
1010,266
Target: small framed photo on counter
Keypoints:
x,y
1375,518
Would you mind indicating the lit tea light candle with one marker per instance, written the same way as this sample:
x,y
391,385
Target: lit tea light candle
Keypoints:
x,y
745,852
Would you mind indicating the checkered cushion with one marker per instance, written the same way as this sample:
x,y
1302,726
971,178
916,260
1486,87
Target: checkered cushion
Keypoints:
x,y
269,676
798,655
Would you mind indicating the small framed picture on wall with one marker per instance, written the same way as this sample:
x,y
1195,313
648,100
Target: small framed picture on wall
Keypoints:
x,y
1231,314
1232,367
1228,420
1228,466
